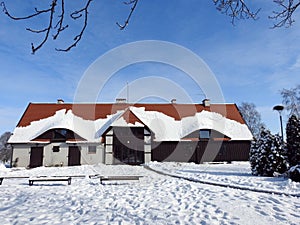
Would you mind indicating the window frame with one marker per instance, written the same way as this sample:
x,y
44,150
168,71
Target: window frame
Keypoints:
x,y
206,136
56,149
92,151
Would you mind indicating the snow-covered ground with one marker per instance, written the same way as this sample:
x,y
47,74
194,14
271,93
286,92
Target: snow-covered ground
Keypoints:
x,y
155,199
236,175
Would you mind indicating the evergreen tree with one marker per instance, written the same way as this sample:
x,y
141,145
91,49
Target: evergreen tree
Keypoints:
x,y
277,158
267,155
293,140
257,156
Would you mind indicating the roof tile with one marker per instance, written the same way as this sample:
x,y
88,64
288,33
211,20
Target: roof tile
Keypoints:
x,y
87,111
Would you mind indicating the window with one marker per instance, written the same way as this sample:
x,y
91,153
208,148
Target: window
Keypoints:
x,y
59,135
55,149
204,134
92,149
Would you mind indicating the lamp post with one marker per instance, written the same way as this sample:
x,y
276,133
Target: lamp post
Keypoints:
x,y
279,109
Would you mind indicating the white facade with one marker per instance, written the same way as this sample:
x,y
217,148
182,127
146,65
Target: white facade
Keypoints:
x,y
88,158
22,152
21,155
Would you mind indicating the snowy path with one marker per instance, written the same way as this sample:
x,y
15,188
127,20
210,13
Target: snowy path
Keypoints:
x,y
237,175
155,199
221,184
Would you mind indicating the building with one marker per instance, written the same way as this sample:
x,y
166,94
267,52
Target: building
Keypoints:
x,y
64,134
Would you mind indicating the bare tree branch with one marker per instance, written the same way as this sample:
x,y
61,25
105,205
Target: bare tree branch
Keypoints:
x,y
134,4
59,26
76,15
38,12
46,30
291,100
236,9
252,118
285,15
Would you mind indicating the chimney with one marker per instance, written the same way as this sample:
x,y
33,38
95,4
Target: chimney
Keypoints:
x,y
121,100
173,101
60,101
206,103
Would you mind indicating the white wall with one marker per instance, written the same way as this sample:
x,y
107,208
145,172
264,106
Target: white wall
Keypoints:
x,y
60,158
92,158
56,158
21,155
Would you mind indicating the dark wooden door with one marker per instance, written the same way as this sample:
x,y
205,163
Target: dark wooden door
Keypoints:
x,y
36,157
74,156
128,145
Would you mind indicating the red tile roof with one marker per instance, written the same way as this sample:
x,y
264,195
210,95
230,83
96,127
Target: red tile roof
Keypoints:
x,y
37,111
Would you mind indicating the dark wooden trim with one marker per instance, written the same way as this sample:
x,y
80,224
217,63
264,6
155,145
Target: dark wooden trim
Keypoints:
x,y
74,155
36,156
193,151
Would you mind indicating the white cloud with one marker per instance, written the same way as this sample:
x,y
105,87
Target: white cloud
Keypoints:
x,y
296,65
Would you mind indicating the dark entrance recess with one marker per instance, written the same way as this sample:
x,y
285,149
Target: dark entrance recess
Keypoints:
x,y
36,157
74,156
128,145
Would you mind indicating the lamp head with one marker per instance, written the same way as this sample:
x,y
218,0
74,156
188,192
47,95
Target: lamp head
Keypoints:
x,y
278,108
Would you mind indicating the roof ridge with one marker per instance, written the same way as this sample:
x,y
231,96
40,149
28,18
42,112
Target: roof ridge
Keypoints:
x,y
129,104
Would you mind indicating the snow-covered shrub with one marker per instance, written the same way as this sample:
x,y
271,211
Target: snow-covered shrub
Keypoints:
x,y
294,173
293,140
268,155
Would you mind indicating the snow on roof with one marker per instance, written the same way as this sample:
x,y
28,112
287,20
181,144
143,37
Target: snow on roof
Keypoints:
x,y
164,127
167,128
89,111
63,119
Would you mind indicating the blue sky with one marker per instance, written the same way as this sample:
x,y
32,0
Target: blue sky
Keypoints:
x,y
250,61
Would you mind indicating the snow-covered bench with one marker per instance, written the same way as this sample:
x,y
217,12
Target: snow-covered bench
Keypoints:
x,y
94,176
2,178
118,178
49,179
114,178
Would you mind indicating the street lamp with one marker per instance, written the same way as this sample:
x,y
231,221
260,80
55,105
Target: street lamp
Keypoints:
x,y
279,109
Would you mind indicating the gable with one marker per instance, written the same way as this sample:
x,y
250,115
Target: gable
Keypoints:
x,y
131,118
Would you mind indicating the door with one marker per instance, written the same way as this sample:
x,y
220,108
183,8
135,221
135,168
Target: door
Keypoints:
x,y
36,157
128,145
74,156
